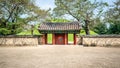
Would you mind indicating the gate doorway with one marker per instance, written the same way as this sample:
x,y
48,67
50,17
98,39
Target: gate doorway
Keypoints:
x,y
59,39
49,39
59,32
70,39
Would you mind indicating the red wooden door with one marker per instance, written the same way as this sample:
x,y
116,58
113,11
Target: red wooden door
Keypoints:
x,y
59,39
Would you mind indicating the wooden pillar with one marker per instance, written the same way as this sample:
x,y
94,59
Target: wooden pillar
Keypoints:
x,y
66,38
74,39
44,39
53,39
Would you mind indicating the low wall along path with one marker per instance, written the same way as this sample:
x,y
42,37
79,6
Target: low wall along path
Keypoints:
x,y
20,40
101,40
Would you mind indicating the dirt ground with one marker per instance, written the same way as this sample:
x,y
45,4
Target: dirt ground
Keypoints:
x,y
59,56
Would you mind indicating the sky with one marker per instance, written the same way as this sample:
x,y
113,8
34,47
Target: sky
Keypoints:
x,y
46,4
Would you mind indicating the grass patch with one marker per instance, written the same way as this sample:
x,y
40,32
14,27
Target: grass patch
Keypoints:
x,y
49,38
70,37
35,32
82,32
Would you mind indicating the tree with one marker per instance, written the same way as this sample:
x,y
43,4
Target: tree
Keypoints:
x,y
9,15
101,28
36,14
79,10
114,28
113,18
113,14
11,12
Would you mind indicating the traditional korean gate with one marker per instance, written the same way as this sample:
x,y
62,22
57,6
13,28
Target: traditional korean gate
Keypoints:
x,y
59,32
60,39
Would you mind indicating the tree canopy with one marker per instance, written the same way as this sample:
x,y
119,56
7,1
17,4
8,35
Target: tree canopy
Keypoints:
x,y
19,15
111,22
15,14
81,10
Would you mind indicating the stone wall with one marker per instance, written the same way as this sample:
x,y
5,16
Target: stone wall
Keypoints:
x,y
101,40
20,40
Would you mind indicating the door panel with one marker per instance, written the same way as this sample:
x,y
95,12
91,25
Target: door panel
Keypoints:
x,y
59,39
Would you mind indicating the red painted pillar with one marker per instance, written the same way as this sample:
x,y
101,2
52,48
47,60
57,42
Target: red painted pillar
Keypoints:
x,y
66,38
45,38
53,39
74,39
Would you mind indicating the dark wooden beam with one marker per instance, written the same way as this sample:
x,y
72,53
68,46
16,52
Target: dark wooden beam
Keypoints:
x,y
74,38
66,38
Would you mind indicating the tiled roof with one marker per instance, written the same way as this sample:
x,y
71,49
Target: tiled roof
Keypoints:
x,y
60,26
55,27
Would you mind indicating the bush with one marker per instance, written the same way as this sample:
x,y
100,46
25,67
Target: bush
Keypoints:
x,y
4,31
114,28
101,28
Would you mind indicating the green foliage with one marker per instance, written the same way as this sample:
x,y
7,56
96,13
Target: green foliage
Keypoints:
x,y
113,14
81,10
113,18
15,27
55,20
114,28
12,28
4,31
49,38
18,30
101,28
82,32
70,37
35,32
11,12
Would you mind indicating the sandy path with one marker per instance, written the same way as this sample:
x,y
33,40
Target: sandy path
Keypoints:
x,y
59,57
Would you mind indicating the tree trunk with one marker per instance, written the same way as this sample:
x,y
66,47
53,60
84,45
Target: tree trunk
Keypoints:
x,y
32,29
87,30
31,32
4,24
